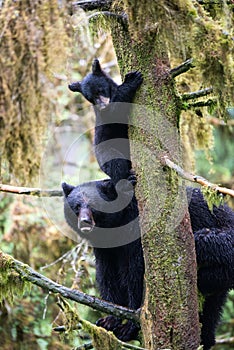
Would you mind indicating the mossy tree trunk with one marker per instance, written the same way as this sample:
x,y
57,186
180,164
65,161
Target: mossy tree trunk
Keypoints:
x,y
170,313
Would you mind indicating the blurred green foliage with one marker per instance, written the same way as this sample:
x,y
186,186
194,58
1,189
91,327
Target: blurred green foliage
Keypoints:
x,y
27,323
220,168
226,327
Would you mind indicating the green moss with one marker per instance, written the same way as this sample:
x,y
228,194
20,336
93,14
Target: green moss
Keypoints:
x,y
201,300
196,134
101,339
99,22
186,29
11,284
212,197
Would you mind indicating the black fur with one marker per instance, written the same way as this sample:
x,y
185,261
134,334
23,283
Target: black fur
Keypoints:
x,y
112,105
214,242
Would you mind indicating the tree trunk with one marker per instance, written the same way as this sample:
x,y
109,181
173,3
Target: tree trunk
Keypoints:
x,y
170,312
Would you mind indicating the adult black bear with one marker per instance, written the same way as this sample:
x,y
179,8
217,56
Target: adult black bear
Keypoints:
x,y
110,223
120,269
112,106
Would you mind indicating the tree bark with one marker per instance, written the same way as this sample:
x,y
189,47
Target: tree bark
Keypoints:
x,y
170,313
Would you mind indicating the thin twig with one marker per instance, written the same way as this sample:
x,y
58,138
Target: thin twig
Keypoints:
x,y
182,68
130,346
195,178
225,341
197,94
207,103
204,2
28,274
30,191
86,346
220,122
66,256
93,5
61,329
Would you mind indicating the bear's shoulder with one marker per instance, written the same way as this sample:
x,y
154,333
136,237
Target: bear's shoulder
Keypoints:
x,y
202,217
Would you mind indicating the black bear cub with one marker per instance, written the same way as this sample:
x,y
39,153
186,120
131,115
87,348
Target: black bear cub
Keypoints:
x,y
112,106
120,269
111,226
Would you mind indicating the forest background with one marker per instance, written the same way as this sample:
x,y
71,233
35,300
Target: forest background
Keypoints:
x,y
46,138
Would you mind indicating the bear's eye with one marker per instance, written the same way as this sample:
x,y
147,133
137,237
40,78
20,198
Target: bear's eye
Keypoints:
x,y
78,206
100,92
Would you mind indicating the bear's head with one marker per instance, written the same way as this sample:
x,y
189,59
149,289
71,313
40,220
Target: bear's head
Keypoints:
x,y
104,216
90,204
79,204
97,87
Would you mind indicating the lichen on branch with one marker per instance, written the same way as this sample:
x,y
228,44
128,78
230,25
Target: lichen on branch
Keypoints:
x,y
11,285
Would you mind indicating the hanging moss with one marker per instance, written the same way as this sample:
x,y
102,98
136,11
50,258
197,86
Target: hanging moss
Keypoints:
x,y
32,34
11,284
196,133
216,48
99,21
212,197
188,29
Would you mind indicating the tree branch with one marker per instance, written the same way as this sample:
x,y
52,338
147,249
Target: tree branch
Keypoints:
x,y
224,341
61,329
197,94
182,68
103,5
195,178
220,122
86,346
204,2
207,103
30,191
30,275
123,346
89,345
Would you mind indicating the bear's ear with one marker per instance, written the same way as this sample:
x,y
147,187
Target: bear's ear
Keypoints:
x,y
96,68
75,87
67,188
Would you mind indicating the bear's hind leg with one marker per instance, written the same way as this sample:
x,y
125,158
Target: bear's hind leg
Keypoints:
x,y
109,322
210,317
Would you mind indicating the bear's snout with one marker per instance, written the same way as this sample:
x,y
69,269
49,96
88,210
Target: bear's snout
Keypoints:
x,y
86,222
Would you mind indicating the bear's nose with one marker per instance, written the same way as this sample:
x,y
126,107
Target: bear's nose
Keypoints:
x,y
85,220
